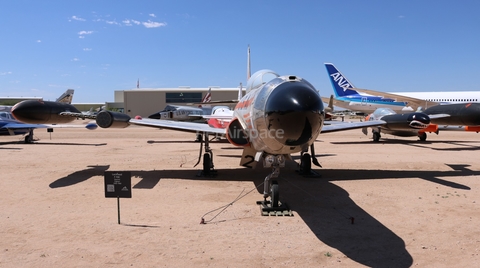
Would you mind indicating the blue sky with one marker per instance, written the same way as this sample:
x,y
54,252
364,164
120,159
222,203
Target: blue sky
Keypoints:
x,y
96,47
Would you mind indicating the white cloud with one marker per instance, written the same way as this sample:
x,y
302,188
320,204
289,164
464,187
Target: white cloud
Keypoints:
x,y
153,24
87,49
152,15
39,41
112,22
85,32
5,73
77,18
82,34
75,59
136,22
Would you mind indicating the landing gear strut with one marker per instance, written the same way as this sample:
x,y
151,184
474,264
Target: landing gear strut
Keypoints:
x,y
208,168
271,189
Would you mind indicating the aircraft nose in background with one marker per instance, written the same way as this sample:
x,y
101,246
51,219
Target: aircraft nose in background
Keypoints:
x,y
295,108
30,111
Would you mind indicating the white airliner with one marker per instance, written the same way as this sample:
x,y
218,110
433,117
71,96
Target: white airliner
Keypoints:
x,y
349,97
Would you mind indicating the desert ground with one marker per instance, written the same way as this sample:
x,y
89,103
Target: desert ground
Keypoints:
x,y
395,203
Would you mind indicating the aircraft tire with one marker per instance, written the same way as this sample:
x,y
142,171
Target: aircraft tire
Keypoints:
x,y
422,136
306,163
206,163
275,193
376,136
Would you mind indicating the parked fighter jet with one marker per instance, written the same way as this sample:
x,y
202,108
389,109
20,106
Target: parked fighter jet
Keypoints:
x,y
48,112
404,125
278,116
10,126
184,112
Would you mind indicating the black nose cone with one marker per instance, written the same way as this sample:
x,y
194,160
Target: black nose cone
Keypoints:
x,y
30,111
419,117
295,109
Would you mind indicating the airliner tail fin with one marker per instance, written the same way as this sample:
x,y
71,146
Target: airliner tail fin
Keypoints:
x,y
341,86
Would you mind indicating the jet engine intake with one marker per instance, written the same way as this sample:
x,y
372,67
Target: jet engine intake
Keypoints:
x,y
236,134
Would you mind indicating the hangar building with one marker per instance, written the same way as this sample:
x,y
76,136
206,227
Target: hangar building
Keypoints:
x,y
146,101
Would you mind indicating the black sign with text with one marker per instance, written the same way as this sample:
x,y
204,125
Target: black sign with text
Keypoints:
x,y
118,184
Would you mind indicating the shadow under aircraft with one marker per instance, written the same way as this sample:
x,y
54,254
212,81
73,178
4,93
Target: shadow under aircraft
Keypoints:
x,y
330,213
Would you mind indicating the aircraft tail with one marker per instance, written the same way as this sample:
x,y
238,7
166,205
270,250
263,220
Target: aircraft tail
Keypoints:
x,y
66,97
341,85
208,96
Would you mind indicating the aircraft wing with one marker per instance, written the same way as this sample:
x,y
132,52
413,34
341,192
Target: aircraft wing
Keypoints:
x,y
178,125
35,126
23,126
412,102
350,125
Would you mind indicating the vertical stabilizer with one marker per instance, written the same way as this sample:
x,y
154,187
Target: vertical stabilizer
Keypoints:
x,y
208,96
66,97
341,85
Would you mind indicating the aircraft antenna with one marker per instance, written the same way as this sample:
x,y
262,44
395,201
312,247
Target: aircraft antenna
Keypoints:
x,y
248,63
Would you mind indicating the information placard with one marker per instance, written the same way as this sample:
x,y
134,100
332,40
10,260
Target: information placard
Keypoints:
x,y
118,184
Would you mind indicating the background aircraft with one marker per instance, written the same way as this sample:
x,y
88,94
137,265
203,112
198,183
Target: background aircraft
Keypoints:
x,y
365,100
403,125
278,116
48,112
465,116
9,127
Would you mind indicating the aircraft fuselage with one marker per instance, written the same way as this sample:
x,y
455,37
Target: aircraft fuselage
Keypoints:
x,y
461,114
43,112
282,116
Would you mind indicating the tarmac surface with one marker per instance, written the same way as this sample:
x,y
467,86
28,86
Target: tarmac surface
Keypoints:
x,y
395,203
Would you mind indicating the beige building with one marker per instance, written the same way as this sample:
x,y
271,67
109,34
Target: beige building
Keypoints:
x,y
146,101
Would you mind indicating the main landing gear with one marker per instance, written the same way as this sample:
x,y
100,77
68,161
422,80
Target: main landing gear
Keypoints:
x,y
422,136
29,137
306,160
376,136
208,168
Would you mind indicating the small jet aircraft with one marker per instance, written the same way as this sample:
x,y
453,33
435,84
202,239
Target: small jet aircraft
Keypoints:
x,y
48,112
184,112
278,116
9,126
404,125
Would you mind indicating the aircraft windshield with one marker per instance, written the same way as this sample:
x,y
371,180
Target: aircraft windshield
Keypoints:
x,y
169,108
382,112
5,115
260,78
